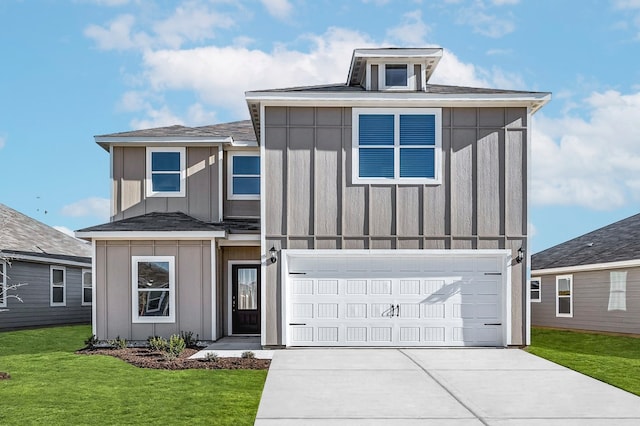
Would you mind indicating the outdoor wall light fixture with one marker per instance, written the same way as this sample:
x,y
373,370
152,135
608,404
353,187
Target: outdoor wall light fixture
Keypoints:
x,y
520,256
273,255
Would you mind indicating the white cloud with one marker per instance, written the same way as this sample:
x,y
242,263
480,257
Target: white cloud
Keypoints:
x,y
92,206
3,141
503,2
626,4
221,75
590,162
118,35
109,3
412,31
64,230
156,117
190,22
280,9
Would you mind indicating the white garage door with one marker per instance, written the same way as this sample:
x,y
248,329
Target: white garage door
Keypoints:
x,y
396,298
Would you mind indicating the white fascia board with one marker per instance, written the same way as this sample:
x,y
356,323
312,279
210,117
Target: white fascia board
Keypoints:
x,y
50,260
587,268
399,99
430,52
150,235
108,141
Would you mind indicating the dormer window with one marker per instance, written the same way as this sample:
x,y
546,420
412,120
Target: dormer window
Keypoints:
x,y
395,75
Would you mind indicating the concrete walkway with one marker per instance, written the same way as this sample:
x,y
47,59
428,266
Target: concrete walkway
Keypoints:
x,y
435,387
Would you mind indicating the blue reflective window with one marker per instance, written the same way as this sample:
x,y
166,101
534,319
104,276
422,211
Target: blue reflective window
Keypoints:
x,y
376,129
246,165
417,163
245,170
165,182
417,129
246,185
376,162
165,161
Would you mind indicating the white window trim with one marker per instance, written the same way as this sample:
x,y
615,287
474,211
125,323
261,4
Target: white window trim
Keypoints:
x,y
539,281
382,73
355,153
64,286
3,284
82,287
570,278
230,175
135,318
183,173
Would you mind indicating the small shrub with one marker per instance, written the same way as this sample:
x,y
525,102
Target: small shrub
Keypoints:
x,y
175,347
157,343
189,341
118,343
212,356
90,342
248,355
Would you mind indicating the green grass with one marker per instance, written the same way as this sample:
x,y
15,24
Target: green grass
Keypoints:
x,y
611,359
51,385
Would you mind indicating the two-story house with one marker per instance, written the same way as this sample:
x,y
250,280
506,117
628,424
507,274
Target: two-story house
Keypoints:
x,y
386,211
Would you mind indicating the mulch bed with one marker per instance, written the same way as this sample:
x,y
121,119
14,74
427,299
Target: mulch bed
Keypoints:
x,y
146,358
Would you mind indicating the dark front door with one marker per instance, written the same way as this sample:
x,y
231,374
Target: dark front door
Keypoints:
x,y
245,299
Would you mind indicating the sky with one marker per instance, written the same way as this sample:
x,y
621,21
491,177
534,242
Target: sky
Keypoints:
x,y
72,69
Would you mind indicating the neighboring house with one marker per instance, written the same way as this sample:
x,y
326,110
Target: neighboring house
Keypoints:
x,y
54,268
591,282
386,211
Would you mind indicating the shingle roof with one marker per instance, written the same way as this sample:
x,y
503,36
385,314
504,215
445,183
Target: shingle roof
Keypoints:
x,y
238,130
617,242
155,222
21,234
429,88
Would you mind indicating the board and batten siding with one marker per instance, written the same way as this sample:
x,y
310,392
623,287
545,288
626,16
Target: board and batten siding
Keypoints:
x,y
35,309
114,294
238,208
202,184
312,204
590,303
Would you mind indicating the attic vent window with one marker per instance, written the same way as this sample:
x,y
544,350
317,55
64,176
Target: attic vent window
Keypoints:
x,y
395,75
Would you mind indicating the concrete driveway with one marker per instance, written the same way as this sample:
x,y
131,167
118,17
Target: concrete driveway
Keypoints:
x,y
435,387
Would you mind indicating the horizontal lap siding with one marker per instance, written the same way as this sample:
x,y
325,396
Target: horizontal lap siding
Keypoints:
x,y
590,304
481,202
35,310
114,294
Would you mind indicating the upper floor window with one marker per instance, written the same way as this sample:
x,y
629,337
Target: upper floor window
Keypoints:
x,y
395,75
86,287
243,176
58,293
153,289
396,145
166,173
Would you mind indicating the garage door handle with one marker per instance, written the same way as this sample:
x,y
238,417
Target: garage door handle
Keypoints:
x,y
493,323
493,273
297,323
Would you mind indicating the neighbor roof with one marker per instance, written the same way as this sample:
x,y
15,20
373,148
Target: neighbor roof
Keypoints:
x,y
225,132
20,234
617,242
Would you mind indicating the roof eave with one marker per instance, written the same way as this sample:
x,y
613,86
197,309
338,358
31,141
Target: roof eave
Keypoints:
x,y
149,235
107,141
587,268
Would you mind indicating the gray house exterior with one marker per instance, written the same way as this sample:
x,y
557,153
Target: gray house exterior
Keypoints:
x,y
381,212
54,268
591,282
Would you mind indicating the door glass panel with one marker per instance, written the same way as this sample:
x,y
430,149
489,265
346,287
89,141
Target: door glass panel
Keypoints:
x,y
247,288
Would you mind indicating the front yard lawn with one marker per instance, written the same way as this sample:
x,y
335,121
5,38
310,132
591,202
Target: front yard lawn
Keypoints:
x,y
51,385
611,359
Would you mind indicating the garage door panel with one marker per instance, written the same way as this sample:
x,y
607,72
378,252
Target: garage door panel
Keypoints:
x,y
456,304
